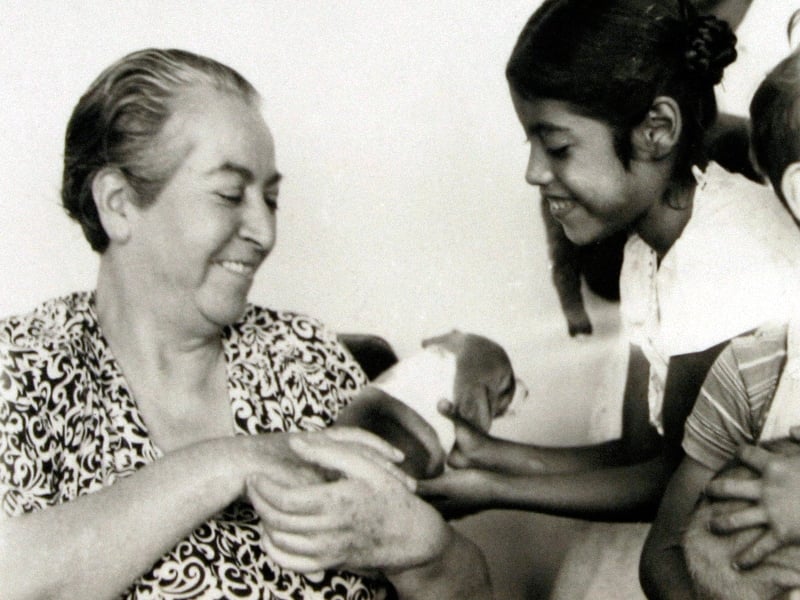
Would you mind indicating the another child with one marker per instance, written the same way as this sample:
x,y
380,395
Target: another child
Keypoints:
x,y
614,97
751,395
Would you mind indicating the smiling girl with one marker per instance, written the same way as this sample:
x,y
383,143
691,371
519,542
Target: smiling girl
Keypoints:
x,y
614,97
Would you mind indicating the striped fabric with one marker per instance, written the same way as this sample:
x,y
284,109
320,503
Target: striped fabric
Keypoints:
x,y
735,396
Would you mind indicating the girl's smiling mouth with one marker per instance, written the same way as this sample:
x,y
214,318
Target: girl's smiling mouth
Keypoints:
x,y
559,207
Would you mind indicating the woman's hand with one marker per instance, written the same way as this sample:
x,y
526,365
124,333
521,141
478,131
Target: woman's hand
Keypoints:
x,y
272,453
774,502
368,519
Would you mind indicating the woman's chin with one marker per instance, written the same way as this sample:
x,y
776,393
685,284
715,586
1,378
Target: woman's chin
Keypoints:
x,y
224,314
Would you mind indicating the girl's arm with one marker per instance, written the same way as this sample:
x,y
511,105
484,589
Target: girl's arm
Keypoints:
x,y
588,487
97,545
639,440
662,569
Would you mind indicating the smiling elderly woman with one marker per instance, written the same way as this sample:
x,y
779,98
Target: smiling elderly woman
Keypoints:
x,y
141,423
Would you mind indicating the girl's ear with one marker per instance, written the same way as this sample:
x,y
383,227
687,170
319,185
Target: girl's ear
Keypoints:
x,y
112,197
790,188
658,133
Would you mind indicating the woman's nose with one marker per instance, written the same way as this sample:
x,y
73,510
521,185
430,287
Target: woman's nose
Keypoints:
x,y
258,222
538,171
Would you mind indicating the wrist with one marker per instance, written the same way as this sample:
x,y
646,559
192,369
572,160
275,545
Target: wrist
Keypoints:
x,y
458,571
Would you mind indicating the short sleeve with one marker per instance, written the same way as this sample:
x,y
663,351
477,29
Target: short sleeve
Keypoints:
x,y
341,365
721,419
28,449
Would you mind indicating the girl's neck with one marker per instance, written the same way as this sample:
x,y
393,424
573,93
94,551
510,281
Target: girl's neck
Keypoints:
x,y
661,226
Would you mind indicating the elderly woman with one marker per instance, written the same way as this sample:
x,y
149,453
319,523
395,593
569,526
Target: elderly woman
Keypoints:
x,y
161,437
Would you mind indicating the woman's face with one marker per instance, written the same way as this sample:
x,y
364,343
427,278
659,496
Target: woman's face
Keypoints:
x,y
573,163
206,233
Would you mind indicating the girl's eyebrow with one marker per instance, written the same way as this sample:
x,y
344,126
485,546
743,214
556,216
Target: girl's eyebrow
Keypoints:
x,y
546,127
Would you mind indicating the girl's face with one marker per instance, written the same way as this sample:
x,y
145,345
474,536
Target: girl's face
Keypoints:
x,y
574,164
203,238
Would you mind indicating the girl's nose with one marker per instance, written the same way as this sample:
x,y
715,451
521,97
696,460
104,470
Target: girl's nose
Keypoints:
x,y
538,171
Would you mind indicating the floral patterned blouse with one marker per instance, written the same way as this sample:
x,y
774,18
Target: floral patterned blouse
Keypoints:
x,y
69,426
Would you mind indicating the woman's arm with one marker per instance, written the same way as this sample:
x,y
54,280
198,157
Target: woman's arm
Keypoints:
x,y
98,544
662,569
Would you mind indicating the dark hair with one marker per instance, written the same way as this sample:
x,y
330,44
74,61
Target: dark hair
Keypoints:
x,y
118,120
775,120
609,59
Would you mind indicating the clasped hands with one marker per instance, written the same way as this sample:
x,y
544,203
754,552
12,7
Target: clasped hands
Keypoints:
x,y
772,502
354,510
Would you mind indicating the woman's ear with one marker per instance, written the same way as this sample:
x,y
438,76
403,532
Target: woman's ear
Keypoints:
x,y
112,197
658,133
790,188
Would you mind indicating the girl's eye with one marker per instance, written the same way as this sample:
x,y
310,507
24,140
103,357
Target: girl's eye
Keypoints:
x,y
558,151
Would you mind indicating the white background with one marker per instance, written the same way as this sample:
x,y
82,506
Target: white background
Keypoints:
x,y
403,212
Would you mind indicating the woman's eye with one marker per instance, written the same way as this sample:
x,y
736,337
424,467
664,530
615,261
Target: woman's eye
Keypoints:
x,y
232,198
271,201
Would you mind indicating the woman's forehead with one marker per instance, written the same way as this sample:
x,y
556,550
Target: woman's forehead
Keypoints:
x,y
215,121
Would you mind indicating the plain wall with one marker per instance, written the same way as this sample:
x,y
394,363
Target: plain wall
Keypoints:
x,y
404,211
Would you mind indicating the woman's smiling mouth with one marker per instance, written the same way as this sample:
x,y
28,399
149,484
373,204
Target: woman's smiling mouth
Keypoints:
x,y
239,268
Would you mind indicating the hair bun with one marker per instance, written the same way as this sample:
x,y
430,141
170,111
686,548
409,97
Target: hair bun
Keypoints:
x,y
710,47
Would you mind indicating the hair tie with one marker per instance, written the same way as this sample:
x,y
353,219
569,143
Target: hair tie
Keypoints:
x,y
710,47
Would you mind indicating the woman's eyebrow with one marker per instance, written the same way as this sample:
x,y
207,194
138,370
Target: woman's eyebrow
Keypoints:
x,y
245,173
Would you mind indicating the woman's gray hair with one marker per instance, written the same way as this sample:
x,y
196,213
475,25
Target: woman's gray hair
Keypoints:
x,y
118,120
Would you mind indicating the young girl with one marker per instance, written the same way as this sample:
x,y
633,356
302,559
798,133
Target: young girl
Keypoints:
x,y
614,97
750,396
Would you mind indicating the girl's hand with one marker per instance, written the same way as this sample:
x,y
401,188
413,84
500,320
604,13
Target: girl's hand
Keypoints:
x,y
470,441
368,519
459,493
774,503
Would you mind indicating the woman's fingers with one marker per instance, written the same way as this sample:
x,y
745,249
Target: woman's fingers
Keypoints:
x,y
347,460
261,493
757,551
734,489
753,516
290,500
290,560
355,435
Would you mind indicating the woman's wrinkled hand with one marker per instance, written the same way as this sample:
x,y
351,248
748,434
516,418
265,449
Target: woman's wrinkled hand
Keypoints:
x,y
369,518
272,453
772,502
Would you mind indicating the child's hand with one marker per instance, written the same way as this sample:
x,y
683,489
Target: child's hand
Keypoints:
x,y
470,440
485,382
460,493
774,502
